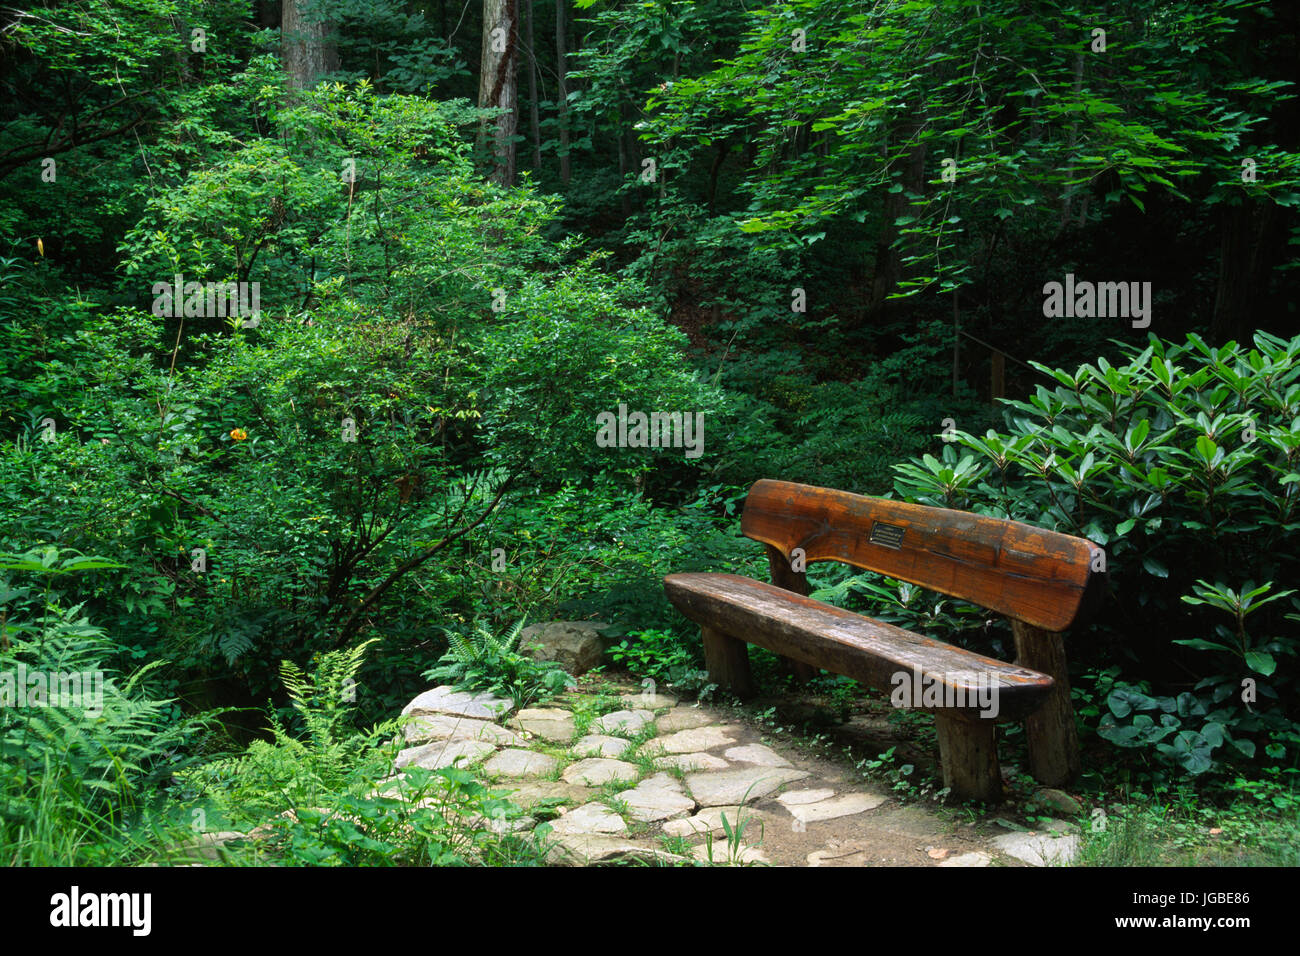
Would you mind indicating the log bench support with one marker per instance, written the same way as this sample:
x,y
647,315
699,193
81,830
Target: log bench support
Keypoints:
x,y
727,661
1050,731
784,576
1036,578
968,753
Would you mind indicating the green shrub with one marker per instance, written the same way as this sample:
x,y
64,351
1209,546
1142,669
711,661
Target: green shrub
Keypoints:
x,y
175,435
666,659
1183,464
599,551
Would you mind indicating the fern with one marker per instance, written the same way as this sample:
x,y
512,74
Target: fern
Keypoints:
x,y
329,759
76,778
485,662
233,643
328,795
460,648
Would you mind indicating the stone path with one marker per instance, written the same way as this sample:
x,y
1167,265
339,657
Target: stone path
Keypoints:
x,y
642,776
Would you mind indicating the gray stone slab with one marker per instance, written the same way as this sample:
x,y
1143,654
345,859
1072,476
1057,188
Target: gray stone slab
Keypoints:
x,y
584,849
744,785
588,819
708,820
599,745
756,754
447,727
520,763
448,700
842,806
549,723
657,798
794,797
622,723
690,741
534,792
444,753
690,763
1057,844
683,718
649,701
598,771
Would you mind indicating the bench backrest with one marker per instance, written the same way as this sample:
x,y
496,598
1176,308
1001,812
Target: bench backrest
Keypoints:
x,y
1026,573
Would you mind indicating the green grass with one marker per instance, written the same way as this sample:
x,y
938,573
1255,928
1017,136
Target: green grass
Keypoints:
x,y
676,845
586,710
609,797
1179,831
731,851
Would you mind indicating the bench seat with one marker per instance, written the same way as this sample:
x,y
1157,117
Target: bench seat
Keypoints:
x,y
869,651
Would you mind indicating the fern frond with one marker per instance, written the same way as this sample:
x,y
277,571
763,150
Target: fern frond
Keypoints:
x,y
462,650
512,639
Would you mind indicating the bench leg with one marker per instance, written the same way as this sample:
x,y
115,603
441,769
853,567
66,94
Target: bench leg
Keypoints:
x,y
784,576
1050,731
728,662
801,672
969,753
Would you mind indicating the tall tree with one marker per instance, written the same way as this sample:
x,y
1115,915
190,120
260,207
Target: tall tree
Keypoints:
x,y
562,96
498,85
532,85
305,45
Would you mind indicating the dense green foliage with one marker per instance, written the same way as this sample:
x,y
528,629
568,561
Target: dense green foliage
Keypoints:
x,y
320,794
823,228
84,753
1183,462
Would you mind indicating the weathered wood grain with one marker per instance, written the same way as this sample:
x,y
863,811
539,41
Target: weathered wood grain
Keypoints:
x,y
727,660
784,576
868,651
1050,732
1026,573
968,755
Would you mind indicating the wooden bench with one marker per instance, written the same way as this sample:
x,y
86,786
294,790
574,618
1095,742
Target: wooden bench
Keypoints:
x,y
1039,579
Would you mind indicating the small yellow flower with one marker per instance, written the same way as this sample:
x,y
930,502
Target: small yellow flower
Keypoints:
x,y
238,434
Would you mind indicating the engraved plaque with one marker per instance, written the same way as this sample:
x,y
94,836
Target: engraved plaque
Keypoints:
x,y
887,535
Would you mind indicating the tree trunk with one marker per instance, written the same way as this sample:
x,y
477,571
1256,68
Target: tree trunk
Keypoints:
x,y
562,97
1067,192
889,260
626,159
1247,254
719,158
305,49
183,73
532,86
1249,295
956,343
498,86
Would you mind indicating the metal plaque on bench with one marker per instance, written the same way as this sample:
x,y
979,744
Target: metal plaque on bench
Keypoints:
x,y
887,535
